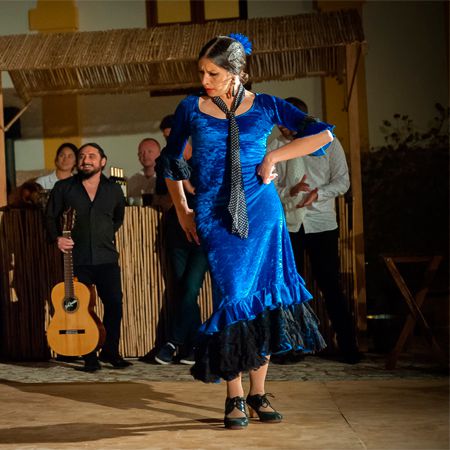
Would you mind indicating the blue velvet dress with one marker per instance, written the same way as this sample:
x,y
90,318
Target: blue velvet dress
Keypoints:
x,y
259,299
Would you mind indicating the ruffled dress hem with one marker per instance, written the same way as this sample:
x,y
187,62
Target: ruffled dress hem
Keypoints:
x,y
279,294
244,345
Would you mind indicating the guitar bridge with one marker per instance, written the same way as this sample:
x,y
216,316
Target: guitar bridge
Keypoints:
x,y
72,331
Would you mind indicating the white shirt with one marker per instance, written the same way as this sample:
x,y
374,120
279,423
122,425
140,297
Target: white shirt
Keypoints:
x,y
139,184
289,174
329,173
48,181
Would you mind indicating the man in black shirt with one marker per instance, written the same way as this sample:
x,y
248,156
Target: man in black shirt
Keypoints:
x,y
100,207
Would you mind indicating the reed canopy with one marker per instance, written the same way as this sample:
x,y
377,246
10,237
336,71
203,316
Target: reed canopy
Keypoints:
x,y
163,57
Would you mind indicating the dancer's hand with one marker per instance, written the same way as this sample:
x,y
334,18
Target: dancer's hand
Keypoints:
x,y
266,170
186,218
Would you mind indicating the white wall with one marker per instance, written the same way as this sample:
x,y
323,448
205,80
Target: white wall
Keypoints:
x,y
97,15
406,65
13,20
119,122
308,89
405,68
14,16
275,8
30,155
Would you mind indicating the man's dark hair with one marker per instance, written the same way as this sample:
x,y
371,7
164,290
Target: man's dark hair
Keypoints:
x,y
167,122
300,104
72,147
93,144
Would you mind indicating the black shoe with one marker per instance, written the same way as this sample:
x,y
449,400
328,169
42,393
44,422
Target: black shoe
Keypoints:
x,y
188,359
149,357
235,423
116,361
166,354
351,357
256,402
65,358
90,365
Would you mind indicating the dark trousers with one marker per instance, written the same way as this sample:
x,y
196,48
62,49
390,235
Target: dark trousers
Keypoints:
x,y
189,265
322,250
106,278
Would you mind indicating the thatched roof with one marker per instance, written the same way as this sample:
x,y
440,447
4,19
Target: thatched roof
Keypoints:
x,y
163,57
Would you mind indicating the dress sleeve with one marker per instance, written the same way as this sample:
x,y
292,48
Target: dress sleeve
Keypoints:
x,y
287,115
171,162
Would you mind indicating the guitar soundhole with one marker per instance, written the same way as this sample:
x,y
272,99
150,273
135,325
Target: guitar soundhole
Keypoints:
x,y
70,304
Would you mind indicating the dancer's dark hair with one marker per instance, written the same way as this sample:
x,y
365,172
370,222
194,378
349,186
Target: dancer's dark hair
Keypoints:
x,y
227,53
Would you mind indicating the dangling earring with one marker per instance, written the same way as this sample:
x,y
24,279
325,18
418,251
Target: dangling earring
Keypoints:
x,y
230,92
233,93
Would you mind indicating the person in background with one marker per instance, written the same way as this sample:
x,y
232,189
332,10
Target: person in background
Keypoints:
x,y
165,127
308,188
65,162
188,266
143,182
27,195
100,205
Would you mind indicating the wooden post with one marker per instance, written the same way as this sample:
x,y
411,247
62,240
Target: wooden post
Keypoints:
x,y
3,193
356,183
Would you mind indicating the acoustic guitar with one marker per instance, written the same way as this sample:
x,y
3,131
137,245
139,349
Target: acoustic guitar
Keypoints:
x,y
74,329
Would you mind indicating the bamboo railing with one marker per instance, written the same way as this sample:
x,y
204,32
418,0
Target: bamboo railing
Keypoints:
x,y
30,267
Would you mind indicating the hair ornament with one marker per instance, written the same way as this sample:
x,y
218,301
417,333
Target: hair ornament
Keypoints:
x,y
243,40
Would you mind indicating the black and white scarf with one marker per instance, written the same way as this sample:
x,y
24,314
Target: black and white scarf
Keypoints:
x,y
237,205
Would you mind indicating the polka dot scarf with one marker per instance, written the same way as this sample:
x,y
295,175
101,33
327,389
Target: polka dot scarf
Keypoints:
x,y
237,205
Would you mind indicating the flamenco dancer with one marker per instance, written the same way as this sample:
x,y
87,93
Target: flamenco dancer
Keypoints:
x,y
259,300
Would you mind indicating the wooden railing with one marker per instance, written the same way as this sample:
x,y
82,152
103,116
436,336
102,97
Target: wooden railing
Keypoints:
x,y
30,267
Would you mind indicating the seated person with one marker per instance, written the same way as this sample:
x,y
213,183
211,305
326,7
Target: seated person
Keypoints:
x,y
65,162
27,195
144,181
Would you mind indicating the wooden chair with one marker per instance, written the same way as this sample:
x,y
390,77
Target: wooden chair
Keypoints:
x,y
414,303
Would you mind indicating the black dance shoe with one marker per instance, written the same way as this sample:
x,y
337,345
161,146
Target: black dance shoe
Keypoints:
x,y
91,364
256,402
115,360
235,423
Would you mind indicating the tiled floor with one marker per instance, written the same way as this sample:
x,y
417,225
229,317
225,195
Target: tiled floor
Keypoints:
x,y
327,405
313,368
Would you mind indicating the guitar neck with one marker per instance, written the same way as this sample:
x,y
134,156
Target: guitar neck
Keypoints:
x,y
68,269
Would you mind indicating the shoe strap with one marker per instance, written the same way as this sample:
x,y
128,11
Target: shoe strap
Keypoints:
x,y
235,402
262,400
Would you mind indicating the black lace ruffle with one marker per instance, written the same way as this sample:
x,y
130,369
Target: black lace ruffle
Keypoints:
x,y
243,345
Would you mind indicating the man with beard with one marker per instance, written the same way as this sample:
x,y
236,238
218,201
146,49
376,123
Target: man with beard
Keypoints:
x,y
99,204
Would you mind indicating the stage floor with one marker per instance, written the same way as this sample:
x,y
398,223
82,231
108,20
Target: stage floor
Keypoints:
x,y
327,405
